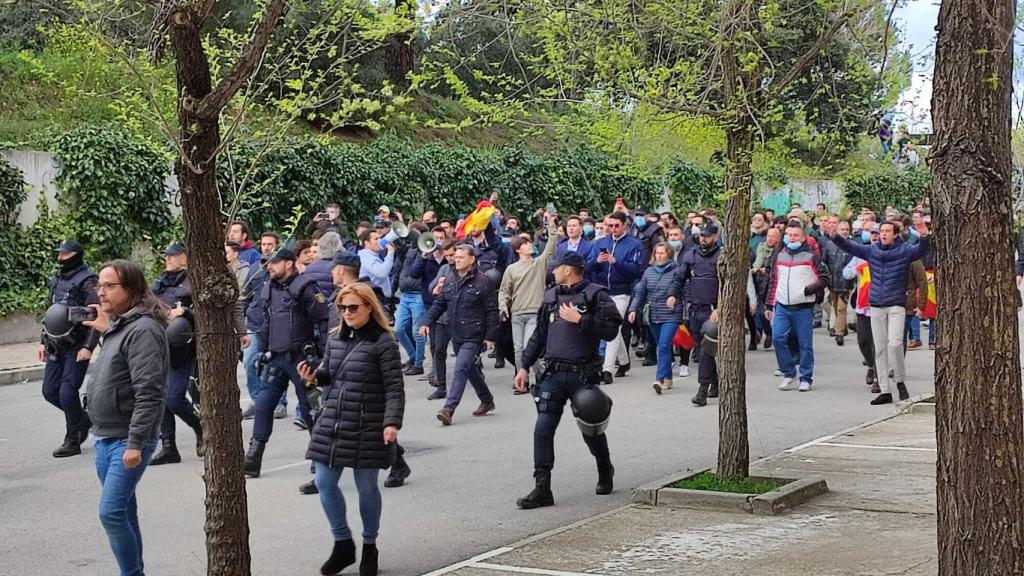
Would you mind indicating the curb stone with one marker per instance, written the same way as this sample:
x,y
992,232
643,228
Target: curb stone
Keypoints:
x,y
21,375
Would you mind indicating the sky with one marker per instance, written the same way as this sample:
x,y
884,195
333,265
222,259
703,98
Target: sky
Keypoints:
x,y
916,21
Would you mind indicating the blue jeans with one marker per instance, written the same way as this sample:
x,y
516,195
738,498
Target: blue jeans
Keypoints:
x,y
799,322
914,327
663,333
118,508
467,369
407,321
62,378
252,375
176,404
333,502
282,369
931,331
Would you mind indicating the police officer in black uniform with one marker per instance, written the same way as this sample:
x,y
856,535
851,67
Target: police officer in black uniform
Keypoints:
x,y
67,346
575,317
296,314
174,289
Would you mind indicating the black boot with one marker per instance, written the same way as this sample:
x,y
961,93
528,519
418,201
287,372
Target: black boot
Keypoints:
x,y
885,398
621,372
399,472
499,363
541,495
309,488
605,473
368,565
342,556
200,445
753,342
902,389
701,399
70,447
713,390
870,377
254,461
168,454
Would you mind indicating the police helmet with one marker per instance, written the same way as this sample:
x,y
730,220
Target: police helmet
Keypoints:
x,y
179,332
494,275
56,324
710,331
592,409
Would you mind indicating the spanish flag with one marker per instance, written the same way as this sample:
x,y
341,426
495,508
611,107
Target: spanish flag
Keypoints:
x,y
930,306
683,339
476,220
863,285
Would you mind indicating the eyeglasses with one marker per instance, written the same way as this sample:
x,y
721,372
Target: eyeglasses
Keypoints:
x,y
349,308
105,287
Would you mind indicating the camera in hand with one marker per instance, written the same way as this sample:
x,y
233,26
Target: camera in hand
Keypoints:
x,y
79,314
311,355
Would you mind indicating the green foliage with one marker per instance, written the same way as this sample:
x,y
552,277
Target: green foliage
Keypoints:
x,y
12,191
112,189
901,189
710,481
27,261
449,179
692,187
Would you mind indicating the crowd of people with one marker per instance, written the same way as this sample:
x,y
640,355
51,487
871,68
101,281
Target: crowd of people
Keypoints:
x,y
345,316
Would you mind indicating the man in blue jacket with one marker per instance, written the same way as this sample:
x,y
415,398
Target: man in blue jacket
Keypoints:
x,y
574,240
890,261
616,261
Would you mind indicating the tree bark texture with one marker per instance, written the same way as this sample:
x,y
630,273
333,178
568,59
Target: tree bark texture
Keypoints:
x,y
215,293
400,53
980,495
739,24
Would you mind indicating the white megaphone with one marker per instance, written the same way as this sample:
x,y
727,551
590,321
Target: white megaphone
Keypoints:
x,y
398,230
427,242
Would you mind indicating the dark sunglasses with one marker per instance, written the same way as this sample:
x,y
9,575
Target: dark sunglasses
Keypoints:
x,y
349,308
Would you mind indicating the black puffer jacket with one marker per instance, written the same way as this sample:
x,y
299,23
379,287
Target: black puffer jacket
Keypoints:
x,y
364,396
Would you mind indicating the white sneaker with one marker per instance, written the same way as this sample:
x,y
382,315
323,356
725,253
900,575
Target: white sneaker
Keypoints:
x,y
778,372
805,386
786,383
684,371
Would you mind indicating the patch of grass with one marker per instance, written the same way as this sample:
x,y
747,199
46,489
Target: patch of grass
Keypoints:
x,y
709,481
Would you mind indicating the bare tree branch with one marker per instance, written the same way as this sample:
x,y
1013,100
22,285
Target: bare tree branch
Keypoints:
x,y
248,60
811,54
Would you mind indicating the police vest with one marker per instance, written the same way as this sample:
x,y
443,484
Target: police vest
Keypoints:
x,y
70,291
565,341
174,289
288,326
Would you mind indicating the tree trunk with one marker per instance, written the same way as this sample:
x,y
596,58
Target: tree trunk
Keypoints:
x,y
400,53
980,495
739,24
215,293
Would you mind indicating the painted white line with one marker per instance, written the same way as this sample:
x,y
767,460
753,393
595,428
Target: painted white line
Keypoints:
x,y
285,467
523,570
470,562
865,446
811,443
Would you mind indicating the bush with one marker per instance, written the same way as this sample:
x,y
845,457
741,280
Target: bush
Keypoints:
x,y
890,187
692,187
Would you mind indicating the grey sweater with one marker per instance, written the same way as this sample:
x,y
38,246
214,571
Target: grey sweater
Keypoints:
x,y
126,394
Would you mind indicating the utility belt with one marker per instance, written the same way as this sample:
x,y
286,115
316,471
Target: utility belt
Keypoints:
x,y
581,368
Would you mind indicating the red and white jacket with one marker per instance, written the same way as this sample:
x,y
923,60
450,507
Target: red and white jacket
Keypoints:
x,y
797,278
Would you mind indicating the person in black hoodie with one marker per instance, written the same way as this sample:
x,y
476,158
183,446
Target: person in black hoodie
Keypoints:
x,y
358,428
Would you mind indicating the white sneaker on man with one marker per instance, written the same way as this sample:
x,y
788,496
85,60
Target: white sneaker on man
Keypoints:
x,y
786,384
778,373
805,386
684,371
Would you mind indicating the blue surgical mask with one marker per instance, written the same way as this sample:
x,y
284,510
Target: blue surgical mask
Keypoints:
x,y
506,239
794,245
865,236
676,244
640,222
588,229
536,251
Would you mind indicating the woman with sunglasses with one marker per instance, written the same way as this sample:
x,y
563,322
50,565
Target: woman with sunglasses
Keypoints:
x,y
358,428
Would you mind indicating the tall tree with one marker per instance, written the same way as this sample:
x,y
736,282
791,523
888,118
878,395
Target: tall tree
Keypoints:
x,y
977,364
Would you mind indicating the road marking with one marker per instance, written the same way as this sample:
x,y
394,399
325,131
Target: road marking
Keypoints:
x,y
811,443
868,447
522,570
285,467
469,563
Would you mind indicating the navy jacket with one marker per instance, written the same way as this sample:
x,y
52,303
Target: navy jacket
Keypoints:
x,y
295,313
411,279
697,276
320,272
890,266
654,287
583,249
629,264
472,303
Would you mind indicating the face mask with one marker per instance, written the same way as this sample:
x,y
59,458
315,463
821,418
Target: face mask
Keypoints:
x,y
588,229
793,245
640,222
506,240
865,236
676,244
695,229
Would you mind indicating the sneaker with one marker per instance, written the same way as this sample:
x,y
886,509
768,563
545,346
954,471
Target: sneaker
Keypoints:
x,y
438,394
684,371
931,346
280,412
805,386
249,412
778,373
300,424
786,383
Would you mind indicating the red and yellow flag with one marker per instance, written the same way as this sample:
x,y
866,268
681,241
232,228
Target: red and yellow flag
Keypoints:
x,y
683,339
476,220
930,306
863,285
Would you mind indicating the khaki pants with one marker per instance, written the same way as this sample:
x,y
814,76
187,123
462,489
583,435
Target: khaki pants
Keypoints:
x,y
887,325
839,302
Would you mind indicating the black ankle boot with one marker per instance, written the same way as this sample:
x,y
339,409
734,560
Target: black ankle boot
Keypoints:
x,y
701,399
605,475
168,454
368,565
254,459
200,445
399,472
541,495
621,372
713,390
342,556
70,447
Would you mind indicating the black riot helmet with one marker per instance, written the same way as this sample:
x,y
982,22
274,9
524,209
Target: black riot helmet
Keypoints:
x,y
710,331
592,409
494,275
180,332
56,324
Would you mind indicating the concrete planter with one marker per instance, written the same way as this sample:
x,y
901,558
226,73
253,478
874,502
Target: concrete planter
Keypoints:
x,y
19,327
794,492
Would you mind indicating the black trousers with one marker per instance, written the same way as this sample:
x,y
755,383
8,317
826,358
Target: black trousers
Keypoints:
x,y
865,341
551,394
707,370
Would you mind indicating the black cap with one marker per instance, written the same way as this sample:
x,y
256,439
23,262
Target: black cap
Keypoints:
x,y
346,258
175,248
570,258
709,229
641,210
282,254
69,246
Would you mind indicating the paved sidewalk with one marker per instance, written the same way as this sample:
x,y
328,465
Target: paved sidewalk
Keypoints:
x,y
18,363
878,518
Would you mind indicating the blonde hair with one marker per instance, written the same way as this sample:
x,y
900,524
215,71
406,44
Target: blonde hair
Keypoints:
x,y
365,293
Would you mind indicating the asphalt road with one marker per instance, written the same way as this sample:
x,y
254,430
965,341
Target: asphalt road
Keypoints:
x,y
460,500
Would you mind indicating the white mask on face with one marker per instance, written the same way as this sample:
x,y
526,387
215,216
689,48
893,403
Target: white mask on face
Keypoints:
x,y
695,229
